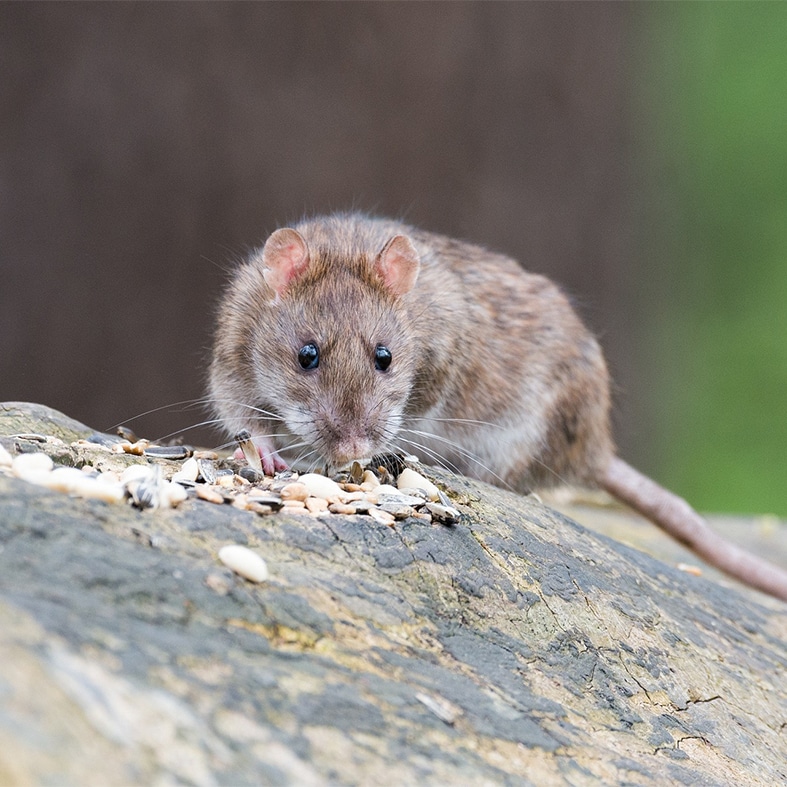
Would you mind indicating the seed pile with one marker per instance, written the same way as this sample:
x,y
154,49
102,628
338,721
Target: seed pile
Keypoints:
x,y
385,491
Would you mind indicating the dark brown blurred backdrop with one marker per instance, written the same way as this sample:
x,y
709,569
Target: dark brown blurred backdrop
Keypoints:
x,y
145,147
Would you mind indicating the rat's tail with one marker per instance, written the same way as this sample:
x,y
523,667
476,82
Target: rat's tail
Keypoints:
x,y
676,517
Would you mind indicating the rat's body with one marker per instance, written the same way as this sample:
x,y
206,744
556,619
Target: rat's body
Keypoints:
x,y
349,336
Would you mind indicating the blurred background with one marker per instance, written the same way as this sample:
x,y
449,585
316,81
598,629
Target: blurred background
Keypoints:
x,y
636,153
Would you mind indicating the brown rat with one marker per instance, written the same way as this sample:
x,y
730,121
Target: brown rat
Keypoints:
x,y
348,336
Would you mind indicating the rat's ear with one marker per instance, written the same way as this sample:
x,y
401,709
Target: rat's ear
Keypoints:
x,y
398,265
285,257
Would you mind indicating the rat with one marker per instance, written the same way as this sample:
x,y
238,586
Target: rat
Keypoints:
x,y
347,336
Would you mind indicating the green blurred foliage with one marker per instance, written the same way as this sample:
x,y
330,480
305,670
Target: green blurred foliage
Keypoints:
x,y
716,83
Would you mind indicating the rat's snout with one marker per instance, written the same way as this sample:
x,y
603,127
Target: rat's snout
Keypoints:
x,y
348,436
351,443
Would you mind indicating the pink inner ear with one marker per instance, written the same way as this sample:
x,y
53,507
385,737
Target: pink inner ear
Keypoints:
x,y
285,257
398,264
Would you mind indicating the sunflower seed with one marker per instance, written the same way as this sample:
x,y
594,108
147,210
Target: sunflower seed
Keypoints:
x,y
167,451
126,434
443,514
107,440
250,452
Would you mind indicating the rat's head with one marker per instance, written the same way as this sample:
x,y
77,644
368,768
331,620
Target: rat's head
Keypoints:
x,y
334,354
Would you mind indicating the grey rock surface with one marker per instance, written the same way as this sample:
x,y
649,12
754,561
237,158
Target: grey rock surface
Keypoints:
x,y
516,647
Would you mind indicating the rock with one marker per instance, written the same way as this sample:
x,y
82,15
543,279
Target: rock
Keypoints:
x,y
517,647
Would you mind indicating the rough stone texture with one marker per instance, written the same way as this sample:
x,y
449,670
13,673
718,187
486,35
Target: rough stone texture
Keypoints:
x,y
515,648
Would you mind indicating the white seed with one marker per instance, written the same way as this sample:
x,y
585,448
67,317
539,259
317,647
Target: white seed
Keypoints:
x,y
383,517
369,480
173,494
66,479
410,479
385,489
5,458
26,464
320,486
134,473
244,562
107,477
341,508
205,492
240,501
294,491
206,455
94,489
189,471
689,568
316,505
33,468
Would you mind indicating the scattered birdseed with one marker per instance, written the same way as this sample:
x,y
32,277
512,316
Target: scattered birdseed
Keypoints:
x,y
106,440
294,491
410,479
444,710
316,505
250,452
356,491
33,468
356,473
320,486
259,508
206,469
127,434
399,510
369,480
341,508
251,475
32,436
244,562
205,492
189,471
443,514
149,489
167,451
383,517
295,507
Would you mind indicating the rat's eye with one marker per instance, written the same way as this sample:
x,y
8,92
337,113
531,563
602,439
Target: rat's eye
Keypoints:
x,y
309,356
382,358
